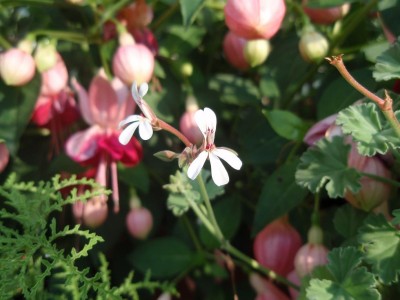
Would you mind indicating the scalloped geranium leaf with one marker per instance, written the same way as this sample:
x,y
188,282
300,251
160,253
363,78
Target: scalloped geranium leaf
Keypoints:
x,y
387,65
325,164
345,280
381,244
396,215
369,129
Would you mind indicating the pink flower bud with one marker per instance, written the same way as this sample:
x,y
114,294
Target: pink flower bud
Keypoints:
x,y
326,15
256,51
254,19
313,46
188,125
92,213
54,79
372,193
233,46
323,128
276,245
139,222
292,277
133,63
136,15
4,156
16,67
265,289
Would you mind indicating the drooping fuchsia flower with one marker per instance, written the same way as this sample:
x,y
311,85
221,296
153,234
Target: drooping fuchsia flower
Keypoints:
x,y
102,108
207,122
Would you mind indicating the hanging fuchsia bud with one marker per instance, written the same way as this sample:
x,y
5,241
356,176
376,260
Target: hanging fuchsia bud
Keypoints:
x,y
254,19
136,15
293,277
276,245
326,15
233,47
256,51
187,123
4,156
313,46
132,62
372,193
312,254
17,67
146,37
265,289
93,213
54,79
139,222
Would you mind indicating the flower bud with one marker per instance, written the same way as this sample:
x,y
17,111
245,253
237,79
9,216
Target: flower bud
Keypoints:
x,y
254,19
276,245
45,57
54,79
136,15
93,213
233,47
372,193
256,51
16,67
146,37
4,156
323,128
265,289
188,125
313,46
292,277
133,63
326,15
139,222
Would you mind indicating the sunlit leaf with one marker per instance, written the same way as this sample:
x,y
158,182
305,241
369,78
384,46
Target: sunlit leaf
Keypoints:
x,y
286,124
189,8
387,65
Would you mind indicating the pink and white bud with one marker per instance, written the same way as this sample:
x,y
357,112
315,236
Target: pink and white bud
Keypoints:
x,y
233,47
372,193
293,277
139,222
133,63
276,246
188,125
254,19
326,15
54,79
265,289
4,156
313,46
93,213
16,67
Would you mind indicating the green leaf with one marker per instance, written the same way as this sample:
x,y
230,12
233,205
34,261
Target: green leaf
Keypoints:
x,y
136,177
346,279
228,222
388,12
368,128
164,257
348,220
381,243
328,3
387,65
396,219
326,164
286,124
279,195
16,106
189,8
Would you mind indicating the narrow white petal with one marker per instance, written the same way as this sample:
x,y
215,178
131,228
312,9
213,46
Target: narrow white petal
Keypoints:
x,y
230,157
201,121
127,133
135,92
211,118
129,119
218,171
143,88
145,129
196,165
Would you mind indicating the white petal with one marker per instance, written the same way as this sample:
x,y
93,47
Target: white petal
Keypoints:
x,y
127,133
196,165
129,119
145,129
135,92
230,157
201,121
218,172
211,118
143,88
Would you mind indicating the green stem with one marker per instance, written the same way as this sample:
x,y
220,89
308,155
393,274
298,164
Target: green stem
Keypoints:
x,y
381,179
75,37
201,216
4,43
315,214
192,233
210,211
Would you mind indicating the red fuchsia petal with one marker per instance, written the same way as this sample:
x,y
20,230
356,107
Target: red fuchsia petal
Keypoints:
x,y
110,145
133,153
83,145
70,113
146,37
103,102
42,112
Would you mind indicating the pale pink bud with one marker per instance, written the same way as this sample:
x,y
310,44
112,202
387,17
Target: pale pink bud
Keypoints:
x,y
93,213
133,63
254,19
188,125
276,245
54,79
233,47
313,46
16,67
139,222
372,193
265,289
293,277
326,15
323,128
4,156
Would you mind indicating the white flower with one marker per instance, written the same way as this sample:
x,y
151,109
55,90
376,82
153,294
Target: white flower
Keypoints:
x,y
138,94
207,122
